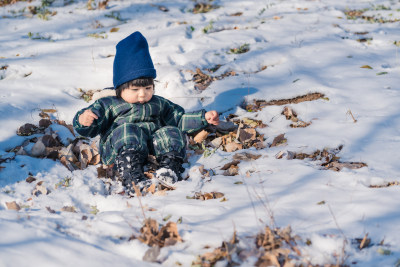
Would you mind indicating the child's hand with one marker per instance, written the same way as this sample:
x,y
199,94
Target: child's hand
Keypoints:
x,y
87,118
212,117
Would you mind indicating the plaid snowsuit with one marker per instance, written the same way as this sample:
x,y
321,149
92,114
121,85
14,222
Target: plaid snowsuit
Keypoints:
x,y
155,127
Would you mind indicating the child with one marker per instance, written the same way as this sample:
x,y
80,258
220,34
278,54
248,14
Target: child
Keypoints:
x,y
135,122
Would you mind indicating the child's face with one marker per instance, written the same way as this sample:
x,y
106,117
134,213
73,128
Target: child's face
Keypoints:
x,y
137,94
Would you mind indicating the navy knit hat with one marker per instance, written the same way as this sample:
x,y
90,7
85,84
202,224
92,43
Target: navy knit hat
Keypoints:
x,y
132,60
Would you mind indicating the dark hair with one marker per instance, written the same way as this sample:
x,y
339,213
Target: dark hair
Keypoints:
x,y
140,82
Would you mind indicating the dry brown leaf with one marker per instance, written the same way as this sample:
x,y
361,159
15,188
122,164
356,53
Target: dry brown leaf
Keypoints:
x,y
68,164
247,135
40,189
68,209
233,146
217,195
365,242
279,140
208,196
201,136
44,123
27,129
160,193
290,114
252,123
245,156
85,157
151,189
49,141
103,4
300,124
30,179
13,206
229,164
169,234
68,153
95,160
232,171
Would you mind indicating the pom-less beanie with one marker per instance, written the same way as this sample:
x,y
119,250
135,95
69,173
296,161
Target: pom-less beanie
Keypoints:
x,y
132,60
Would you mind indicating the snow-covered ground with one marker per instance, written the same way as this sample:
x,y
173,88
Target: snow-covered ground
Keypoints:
x,y
306,46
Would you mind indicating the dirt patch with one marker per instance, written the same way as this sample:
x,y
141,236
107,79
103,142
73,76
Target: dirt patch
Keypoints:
x,y
260,104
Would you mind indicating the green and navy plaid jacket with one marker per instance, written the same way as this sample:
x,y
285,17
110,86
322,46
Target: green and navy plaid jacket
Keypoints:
x,y
141,126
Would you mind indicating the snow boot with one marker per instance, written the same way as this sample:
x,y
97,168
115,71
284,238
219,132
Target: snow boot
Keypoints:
x,y
170,169
129,164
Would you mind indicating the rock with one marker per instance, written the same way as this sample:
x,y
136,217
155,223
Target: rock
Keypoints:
x,y
38,149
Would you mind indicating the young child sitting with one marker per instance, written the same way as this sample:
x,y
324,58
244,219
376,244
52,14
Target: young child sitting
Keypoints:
x,y
136,123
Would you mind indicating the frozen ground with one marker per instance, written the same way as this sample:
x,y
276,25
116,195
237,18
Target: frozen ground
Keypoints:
x,y
296,47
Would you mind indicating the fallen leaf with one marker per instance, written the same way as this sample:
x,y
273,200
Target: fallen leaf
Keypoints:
x,y
40,189
27,129
163,8
13,206
166,218
365,242
366,67
201,136
68,209
232,171
279,140
245,156
30,179
50,210
151,254
233,146
114,29
247,135
229,164
382,73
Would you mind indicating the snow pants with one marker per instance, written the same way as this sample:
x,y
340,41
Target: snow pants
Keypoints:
x,y
144,140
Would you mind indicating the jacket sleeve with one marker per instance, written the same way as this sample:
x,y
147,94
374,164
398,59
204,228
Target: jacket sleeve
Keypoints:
x,y
98,126
175,115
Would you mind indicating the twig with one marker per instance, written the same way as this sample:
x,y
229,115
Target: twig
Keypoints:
x,y
267,207
139,196
351,114
343,259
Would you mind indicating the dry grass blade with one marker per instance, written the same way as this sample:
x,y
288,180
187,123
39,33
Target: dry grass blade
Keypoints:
x,y
365,242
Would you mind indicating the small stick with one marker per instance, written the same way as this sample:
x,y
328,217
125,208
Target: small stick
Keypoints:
x,y
351,114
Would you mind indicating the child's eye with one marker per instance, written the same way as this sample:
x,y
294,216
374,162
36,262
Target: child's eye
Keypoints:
x,y
149,88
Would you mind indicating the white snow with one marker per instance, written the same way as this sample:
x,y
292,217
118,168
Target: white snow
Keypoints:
x,y
307,46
